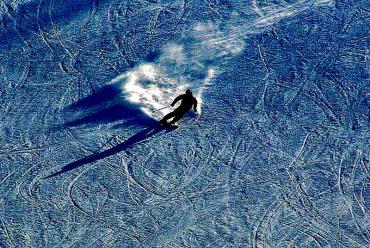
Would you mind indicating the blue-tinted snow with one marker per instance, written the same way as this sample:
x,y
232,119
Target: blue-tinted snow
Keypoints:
x,y
278,157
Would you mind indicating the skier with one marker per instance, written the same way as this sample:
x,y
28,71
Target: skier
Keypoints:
x,y
187,101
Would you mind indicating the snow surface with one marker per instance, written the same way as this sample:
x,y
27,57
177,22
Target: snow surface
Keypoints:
x,y
277,157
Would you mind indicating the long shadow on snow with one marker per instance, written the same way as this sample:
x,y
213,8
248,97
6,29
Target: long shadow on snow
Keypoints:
x,y
137,138
108,105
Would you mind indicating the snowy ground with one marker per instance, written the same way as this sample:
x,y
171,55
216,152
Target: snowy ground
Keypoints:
x,y
278,157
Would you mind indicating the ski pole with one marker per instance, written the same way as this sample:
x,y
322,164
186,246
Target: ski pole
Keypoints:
x,y
162,108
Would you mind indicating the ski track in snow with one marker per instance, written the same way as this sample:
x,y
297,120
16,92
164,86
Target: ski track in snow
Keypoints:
x,y
279,156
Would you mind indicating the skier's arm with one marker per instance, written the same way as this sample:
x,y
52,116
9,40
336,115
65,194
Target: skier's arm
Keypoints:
x,y
195,105
176,100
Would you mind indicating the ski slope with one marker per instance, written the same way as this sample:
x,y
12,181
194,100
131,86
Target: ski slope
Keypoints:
x,y
277,157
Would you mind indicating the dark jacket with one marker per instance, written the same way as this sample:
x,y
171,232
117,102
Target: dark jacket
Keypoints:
x,y
187,101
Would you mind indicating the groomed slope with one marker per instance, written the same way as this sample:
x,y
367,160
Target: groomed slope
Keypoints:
x,y
277,157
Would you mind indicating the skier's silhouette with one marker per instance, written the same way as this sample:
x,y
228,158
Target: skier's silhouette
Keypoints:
x,y
187,101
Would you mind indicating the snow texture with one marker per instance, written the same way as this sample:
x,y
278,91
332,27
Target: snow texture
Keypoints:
x,y
277,157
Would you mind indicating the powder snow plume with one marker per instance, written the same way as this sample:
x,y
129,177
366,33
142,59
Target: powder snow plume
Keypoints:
x,y
193,61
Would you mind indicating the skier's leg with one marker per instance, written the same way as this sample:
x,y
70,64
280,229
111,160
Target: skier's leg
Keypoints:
x,y
167,116
177,117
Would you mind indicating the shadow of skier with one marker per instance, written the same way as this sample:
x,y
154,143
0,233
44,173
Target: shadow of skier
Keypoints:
x,y
135,139
108,104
